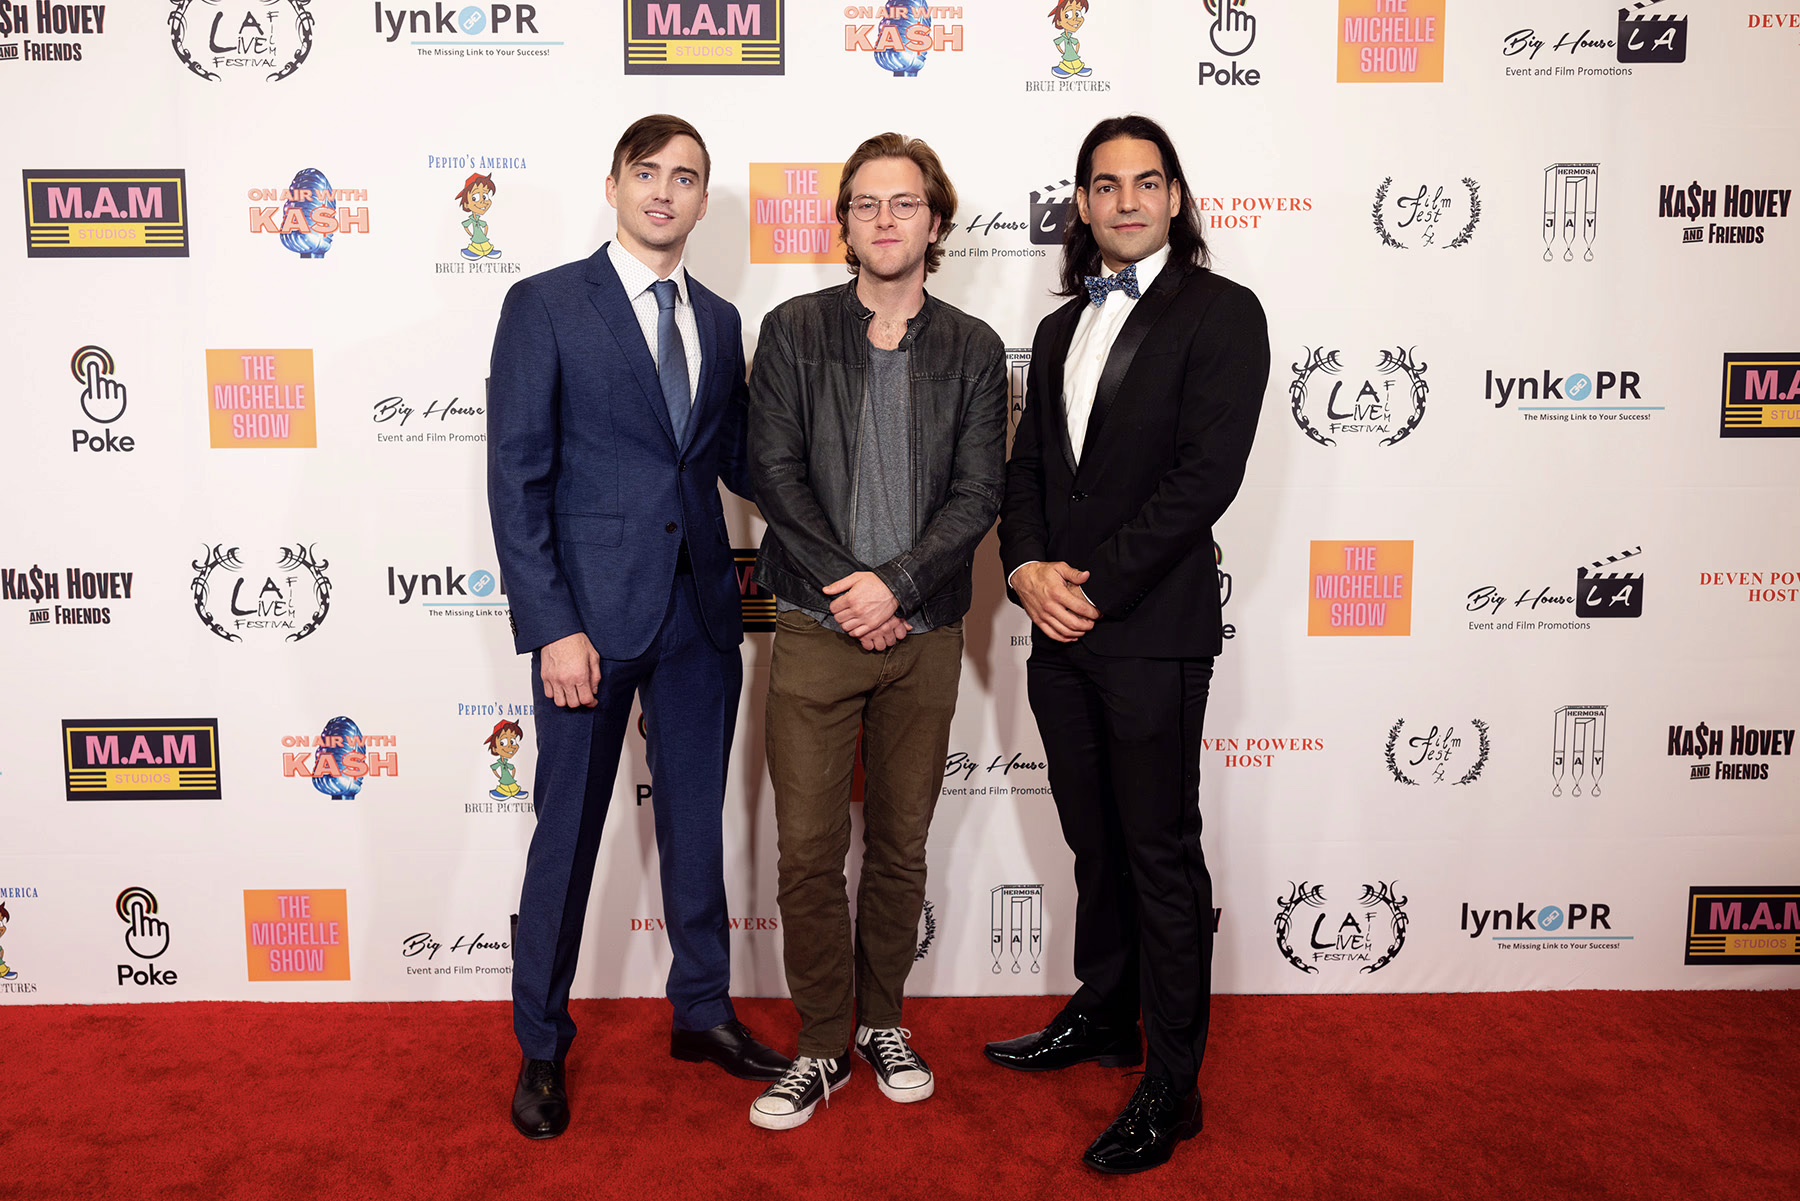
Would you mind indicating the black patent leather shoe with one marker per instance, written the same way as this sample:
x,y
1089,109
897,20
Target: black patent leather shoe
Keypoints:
x,y
732,1047
1144,1135
540,1099
1069,1039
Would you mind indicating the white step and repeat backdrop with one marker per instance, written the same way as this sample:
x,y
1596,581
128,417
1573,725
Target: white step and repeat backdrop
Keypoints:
x,y
1509,698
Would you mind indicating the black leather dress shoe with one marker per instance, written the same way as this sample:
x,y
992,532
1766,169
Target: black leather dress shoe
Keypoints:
x,y
732,1047
540,1100
1070,1038
1144,1135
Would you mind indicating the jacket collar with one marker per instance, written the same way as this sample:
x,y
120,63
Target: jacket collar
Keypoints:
x,y
856,308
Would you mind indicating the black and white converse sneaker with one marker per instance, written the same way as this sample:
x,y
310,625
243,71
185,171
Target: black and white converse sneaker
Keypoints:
x,y
899,1071
790,1100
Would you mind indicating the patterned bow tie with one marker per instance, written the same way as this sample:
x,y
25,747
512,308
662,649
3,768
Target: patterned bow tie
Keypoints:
x,y
1099,285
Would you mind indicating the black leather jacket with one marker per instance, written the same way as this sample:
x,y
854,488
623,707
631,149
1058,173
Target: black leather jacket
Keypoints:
x,y
807,389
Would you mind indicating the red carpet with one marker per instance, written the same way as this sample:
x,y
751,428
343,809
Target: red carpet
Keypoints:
x,y
1505,1095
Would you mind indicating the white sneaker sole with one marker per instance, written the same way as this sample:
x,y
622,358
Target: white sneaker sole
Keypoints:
x,y
787,1121
904,1096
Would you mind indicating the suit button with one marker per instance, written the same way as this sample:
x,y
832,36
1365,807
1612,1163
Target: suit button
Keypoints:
x,y
670,528
1077,496
682,466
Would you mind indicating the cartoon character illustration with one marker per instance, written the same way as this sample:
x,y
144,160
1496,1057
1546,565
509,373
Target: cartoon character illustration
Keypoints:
x,y
476,198
1067,17
6,973
504,742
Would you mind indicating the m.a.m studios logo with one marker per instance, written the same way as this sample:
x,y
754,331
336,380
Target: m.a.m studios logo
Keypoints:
x,y
1760,395
106,214
141,759
1743,924
705,37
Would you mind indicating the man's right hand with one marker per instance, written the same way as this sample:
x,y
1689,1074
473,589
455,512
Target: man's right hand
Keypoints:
x,y
887,634
1051,594
571,670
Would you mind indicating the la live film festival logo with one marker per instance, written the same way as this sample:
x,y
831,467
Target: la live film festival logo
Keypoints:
x,y
1330,408
1016,938
1367,934
219,39
283,592
1427,214
1360,589
261,399
903,34
297,934
103,398
146,937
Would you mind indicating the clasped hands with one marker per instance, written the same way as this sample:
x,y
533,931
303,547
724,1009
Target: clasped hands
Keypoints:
x,y
865,608
1052,596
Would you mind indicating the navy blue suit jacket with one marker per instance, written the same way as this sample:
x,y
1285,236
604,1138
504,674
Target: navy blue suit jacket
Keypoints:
x,y
589,494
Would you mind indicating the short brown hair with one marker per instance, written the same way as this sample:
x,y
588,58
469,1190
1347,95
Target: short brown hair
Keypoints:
x,y
646,135
940,194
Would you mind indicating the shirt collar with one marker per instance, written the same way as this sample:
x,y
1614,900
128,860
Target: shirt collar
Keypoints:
x,y
1148,268
637,278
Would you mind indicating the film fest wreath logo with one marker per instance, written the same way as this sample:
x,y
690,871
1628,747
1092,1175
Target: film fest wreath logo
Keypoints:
x,y
294,599
1355,938
1412,220
1436,753
216,36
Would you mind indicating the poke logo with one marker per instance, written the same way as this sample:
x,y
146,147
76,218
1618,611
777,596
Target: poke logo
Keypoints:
x,y
1439,753
215,37
1413,220
146,937
310,215
1370,934
292,600
342,758
1385,409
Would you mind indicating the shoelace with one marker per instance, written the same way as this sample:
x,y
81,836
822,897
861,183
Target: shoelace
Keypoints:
x,y
540,1076
797,1078
890,1044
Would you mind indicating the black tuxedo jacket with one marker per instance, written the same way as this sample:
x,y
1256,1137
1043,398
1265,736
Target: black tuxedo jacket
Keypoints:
x,y
1170,431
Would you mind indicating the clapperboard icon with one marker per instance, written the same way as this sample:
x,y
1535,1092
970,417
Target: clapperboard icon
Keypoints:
x,y
1052,207
1603,593
1651,37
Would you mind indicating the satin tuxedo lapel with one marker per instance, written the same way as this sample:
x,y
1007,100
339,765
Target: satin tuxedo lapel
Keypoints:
x,y
1058,350
608,295
1144,315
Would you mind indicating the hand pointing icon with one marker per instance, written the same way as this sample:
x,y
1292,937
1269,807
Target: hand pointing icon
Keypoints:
x,y
1233,29
145,936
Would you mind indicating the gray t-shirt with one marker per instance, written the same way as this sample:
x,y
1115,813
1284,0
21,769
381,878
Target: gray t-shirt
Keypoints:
x,y
881,521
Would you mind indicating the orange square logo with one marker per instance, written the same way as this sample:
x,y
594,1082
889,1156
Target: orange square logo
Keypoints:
x,y
261,398
1391,41
297,934
1360,589
793,213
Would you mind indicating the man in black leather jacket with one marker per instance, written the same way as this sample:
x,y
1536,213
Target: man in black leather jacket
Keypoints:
x,y
877,434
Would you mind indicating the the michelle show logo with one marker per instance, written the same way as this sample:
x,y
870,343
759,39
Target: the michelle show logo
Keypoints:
x,y
261,398
1760,395
106,214
141,759
1390,41
705,37
793,213
297,934
220,39
1360,588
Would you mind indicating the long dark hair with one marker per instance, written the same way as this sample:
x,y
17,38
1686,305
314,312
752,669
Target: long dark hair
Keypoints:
x,y
1081,253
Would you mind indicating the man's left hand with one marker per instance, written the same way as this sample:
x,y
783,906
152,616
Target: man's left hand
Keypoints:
x,y
865,603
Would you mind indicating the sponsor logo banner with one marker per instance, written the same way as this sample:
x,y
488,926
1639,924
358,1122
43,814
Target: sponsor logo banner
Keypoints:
x,y
1232,32
793,213
1578,396
36,585
1390,41
466,31
1546,927
1360,589
1708,745
340,759
1430,753
1384,410
504,787
1760,587
901,34
261,398
307,214
1760,396
297,934
146,937
1571,210
60,21
756,602
705,37
460,953
106,214
1069,70
1698,204
1578,748
141,759
1430,216
9,975
292,600
1745,924
1016,939
1367,935
216,39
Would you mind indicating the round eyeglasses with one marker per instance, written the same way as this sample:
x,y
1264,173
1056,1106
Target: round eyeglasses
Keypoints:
x,y
864,208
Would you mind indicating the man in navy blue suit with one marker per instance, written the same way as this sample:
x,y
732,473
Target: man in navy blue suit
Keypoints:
x,y
615,405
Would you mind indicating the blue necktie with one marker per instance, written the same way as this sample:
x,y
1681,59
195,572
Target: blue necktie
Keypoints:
x,y
1099,285
671,359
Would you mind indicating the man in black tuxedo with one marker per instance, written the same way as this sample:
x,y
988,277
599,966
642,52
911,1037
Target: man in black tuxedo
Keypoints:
x,y
1141,405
